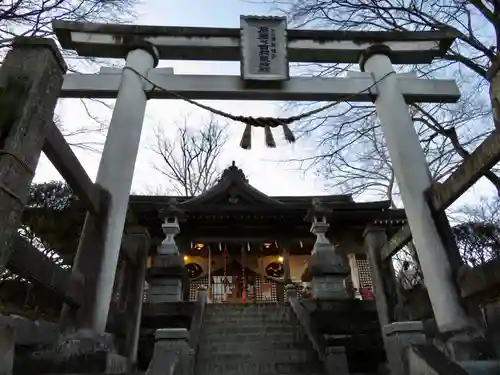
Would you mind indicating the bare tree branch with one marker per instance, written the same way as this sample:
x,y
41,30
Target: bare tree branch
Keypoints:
x,y
350,149
190,160
34,18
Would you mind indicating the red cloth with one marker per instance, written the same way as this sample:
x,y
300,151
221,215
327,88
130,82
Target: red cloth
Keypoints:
x,y
367,293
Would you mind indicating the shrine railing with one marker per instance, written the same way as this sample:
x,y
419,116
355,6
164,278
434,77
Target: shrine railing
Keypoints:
x,y
259,289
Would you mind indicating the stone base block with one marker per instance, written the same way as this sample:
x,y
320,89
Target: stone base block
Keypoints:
x,y
30,333
328,287
336,361
398,338
171,349
165,290
82,352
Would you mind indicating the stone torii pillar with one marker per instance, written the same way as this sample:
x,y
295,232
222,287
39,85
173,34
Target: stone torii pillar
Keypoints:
x,y
413,176
116,171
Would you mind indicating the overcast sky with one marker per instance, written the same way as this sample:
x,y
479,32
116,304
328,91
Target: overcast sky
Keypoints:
x,y
268,176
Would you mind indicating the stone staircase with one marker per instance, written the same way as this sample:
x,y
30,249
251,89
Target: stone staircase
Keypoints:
x,y
254,339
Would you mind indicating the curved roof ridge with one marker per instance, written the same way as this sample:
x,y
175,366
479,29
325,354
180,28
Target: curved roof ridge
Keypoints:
x,y
232,176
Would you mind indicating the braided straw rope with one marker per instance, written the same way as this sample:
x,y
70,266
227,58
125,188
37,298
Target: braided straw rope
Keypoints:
x,y
261,122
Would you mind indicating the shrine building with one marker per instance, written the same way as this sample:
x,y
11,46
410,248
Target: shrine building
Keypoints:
x,y
245,246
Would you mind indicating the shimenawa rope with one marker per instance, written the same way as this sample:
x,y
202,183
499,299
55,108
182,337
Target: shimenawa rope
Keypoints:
x,y
262,122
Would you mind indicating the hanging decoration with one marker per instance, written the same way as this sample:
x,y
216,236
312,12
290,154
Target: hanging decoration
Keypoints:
x,y
225,281
194,270
275,269
243,281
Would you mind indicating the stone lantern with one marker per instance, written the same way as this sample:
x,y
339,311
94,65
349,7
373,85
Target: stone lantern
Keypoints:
x,y
326,266
167,271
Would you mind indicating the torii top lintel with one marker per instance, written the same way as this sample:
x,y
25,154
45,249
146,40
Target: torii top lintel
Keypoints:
x,y
223,44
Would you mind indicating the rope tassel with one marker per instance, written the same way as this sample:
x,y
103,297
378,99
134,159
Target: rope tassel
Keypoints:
x,y
269,137
289,136
246,139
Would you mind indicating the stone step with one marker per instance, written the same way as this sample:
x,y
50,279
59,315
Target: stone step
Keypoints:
x,y
255,315
243,328
254,332
260,357
273,317
247,307
236,337
251,346
234,322
257,312
248,368
247,315
261,373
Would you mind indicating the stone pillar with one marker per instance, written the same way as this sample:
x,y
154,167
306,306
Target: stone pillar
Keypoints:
x,y
31,76
115,174
171,349
327,269
412,173
398,337
135,302
336,361
167,270
375,239
7,347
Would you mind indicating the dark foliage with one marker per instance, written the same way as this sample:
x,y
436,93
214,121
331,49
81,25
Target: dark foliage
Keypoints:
x,y
49,224
478,242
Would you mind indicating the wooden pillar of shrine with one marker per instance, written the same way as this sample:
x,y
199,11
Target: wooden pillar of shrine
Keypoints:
x,y
375,238
287,277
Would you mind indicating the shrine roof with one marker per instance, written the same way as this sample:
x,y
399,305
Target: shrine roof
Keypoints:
x,y
233,192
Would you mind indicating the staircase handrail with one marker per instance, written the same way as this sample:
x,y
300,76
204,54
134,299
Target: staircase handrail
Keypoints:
x,y
197,324
432,360
318,342
166,365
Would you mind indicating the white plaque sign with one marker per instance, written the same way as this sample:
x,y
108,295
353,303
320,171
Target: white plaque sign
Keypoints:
x,y
264,49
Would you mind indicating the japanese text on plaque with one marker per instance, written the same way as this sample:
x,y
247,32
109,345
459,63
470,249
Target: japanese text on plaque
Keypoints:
x,y
267,48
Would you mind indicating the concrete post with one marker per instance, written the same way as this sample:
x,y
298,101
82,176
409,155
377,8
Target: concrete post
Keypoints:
x,y
31,76
116,171
413,176
398,337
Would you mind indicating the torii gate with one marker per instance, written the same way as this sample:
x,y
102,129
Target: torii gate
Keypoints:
x,y
265,47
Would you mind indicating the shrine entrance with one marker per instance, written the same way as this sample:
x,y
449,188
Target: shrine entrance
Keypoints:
x,y
238,284
237,276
